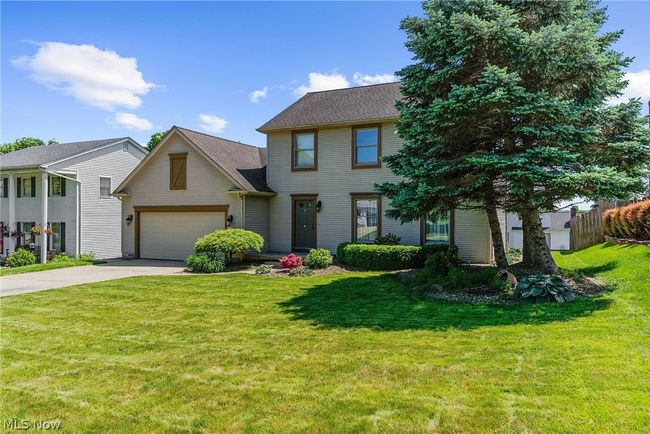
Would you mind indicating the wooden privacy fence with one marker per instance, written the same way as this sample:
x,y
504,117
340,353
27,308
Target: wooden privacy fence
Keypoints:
x,y
587,228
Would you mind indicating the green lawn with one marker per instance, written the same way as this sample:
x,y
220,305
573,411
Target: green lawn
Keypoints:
x,y
43,267
342,353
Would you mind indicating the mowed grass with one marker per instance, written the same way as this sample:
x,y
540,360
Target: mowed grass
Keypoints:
x,y
342,353
43,267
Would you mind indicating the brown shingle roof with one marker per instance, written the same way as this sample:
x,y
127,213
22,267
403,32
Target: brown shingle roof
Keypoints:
x,y
356,104
246,164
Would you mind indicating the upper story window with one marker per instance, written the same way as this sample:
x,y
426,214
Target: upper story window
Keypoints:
x,y
4,187
26,186
438,230
178,171
304,150
366,146
104,186
57,186
366,214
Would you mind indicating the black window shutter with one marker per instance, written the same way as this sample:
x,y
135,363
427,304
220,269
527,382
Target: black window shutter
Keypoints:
x,y
62,236
31,234
49,185
5,186
62,186
49,237
33,186
18,182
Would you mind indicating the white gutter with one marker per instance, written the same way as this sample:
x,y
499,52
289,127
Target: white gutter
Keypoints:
x,y
77,204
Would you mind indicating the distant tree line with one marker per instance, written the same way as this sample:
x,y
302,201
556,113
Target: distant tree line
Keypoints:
x,y
24,142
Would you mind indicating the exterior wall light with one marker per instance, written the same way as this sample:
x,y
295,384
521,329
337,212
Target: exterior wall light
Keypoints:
x,y
129,219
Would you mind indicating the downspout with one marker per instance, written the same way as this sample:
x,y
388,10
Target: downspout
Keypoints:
x,y
242,206
77,205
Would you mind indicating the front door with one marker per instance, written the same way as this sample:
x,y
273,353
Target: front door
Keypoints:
x,y
304,223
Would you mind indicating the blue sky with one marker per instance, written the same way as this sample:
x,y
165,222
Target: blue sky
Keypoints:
x,y
77,71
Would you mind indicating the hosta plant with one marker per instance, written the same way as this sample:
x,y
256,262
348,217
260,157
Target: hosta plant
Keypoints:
x,y
263,269
543,287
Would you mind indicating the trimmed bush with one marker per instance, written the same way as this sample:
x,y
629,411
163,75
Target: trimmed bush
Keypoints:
x,y
20,258
203,263
630,221
228,242
379,257
319,258
291,261
301,271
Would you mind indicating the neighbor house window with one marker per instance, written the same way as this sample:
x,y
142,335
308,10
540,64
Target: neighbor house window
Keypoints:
x,y
366,215
437,230
4,187
366,146
57,239
57,186
178,171
104,186
26,187
304,150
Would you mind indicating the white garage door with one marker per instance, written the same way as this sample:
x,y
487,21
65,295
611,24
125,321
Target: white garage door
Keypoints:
x,y
171,235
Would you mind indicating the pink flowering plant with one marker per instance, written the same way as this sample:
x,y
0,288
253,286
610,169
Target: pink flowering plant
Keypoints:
x,y
291,261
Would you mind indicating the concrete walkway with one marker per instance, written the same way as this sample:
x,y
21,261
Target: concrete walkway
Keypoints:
x,y
114,269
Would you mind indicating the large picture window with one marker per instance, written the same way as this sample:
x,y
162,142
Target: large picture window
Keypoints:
x,y
366,214
437,230
304,150
366,146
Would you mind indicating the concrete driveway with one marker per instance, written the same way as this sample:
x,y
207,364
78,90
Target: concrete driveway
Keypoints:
x,y
113,269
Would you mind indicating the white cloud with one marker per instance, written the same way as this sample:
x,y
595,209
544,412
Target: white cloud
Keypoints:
x,y
100,78
212,123
257,95
133,122
638,87
365,79
318,82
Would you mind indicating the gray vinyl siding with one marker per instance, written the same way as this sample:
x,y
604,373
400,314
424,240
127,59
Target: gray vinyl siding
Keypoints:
x,y
257,216
101,218
206,185
335,180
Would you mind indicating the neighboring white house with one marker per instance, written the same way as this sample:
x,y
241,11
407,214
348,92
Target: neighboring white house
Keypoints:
x,y
556,226
65,188
312,186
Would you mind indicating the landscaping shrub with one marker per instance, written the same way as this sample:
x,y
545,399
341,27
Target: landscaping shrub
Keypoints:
x,y
20,258
513,255
318,258
389,239
383,257
228,242
291,261
630,221
301,271
88,256
203,263
263,269
441,259
62,258
543,287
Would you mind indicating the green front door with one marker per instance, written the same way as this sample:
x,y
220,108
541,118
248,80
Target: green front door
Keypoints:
x,y
304,224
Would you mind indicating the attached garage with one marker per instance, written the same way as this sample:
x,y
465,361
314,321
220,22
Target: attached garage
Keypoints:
x,y
170,232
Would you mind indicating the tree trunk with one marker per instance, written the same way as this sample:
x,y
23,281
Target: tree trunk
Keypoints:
x,y
497,236
536,252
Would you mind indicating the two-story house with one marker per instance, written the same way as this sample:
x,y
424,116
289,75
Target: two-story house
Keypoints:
x,y
556,226
312,186
65,189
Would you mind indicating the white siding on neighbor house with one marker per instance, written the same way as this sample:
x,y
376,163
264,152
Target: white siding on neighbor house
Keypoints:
x,y
150,186
29,209
257,216
101,219
334,181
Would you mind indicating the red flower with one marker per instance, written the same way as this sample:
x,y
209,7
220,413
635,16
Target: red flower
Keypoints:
x,y
291,261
